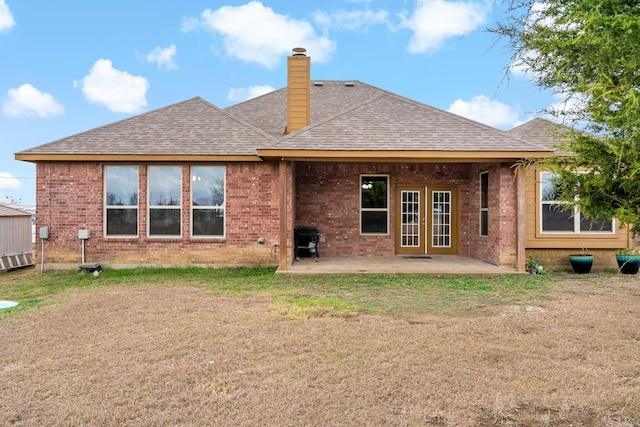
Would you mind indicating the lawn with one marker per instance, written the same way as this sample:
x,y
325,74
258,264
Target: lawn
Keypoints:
x,y
249,347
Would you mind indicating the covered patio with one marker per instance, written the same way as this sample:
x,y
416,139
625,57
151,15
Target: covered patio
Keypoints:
x,y
433,264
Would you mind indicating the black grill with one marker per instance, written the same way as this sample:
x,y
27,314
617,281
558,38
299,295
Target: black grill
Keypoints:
x,y
306,241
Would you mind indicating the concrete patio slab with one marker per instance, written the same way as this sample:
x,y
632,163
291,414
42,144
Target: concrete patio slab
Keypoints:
x,y
433,264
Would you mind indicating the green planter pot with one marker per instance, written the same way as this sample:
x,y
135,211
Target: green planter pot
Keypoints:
x,y
581,264
628,264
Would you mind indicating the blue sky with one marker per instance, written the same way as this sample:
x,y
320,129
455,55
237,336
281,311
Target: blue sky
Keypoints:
x,y
70,66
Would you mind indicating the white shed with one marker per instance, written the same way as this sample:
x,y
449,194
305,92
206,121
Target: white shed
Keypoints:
x,y
16,241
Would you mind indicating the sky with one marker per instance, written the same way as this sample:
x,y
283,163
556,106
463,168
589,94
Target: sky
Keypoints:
x,y
69,66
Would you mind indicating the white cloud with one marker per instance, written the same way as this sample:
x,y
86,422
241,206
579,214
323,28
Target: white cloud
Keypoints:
x,y
27,101
163,57
242,94
6,17
189,23
482,109
118,90
569,104
255,33
9,182
356,20
434,21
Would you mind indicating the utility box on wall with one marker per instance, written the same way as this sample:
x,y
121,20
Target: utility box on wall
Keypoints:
x,y
44,232
84,234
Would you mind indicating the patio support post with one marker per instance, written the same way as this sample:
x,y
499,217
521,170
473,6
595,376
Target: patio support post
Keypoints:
x,y
283,265
520,219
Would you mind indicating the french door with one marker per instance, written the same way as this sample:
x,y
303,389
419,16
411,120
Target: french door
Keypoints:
x,y
427,220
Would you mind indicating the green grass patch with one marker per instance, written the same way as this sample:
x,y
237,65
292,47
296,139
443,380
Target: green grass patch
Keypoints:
x,y
306,307
374,293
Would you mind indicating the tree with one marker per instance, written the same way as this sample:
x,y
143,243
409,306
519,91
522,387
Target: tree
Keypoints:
x,y
588,51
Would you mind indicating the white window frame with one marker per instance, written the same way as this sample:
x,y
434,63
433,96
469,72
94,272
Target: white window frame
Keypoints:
x,y
575,217
361,209
107,207
220,207
150,207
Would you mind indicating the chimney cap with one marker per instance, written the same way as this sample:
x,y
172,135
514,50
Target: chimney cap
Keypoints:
x,y
299,51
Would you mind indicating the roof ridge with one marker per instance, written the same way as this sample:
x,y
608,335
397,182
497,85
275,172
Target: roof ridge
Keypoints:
x,y
330,118
238,120
384,93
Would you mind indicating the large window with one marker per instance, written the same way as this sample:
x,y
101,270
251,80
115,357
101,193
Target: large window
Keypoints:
x,y
121,200
207,201
374,204
165,201
484,204
557,218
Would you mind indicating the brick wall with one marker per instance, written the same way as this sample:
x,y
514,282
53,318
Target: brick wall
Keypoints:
x,y
70,197
327,197
499,246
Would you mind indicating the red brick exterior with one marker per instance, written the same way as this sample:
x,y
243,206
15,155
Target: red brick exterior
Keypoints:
x,y
327,195
70,197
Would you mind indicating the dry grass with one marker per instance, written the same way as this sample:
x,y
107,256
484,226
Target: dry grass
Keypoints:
x,y
181,355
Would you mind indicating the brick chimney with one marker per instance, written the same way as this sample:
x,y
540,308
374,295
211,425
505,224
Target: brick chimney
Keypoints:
x,y
298,90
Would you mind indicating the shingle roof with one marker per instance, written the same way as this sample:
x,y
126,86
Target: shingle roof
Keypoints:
x,y
345,115
193,127
542,132
269,112
7,211
392,122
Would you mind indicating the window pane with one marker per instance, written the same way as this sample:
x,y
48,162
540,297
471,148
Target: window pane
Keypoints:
x,y
555,219
484,190
121,185
207,186
122,222
548,186
164,222
374,222
165,186
208,222
374,192
484,223
594,225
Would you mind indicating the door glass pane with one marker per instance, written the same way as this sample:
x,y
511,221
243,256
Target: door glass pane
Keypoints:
x,y
410,219
441,219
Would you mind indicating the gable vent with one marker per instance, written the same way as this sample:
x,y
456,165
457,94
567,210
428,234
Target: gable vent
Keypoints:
x,y
348,84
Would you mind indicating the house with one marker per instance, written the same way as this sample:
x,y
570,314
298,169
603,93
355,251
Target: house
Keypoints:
x,y
551,234
16,247
376,173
